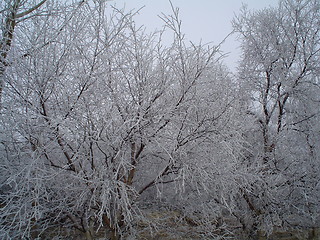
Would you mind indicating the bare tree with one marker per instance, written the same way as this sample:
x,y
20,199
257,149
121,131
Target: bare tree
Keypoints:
x,y
280,69
101,113
15,17
13,12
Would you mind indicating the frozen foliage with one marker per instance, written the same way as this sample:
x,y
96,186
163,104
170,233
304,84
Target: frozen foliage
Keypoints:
x,y
107,132
95,112
280,71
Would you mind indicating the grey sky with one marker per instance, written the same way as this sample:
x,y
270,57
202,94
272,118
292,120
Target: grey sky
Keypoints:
x,y
209,20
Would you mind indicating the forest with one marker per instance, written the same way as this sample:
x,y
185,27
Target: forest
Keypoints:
x,y
107,131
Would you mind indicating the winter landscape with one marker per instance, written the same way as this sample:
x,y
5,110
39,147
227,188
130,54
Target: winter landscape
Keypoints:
x,y
110,131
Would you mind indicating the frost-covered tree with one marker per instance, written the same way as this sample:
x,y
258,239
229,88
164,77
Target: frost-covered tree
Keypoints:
x,y
280,72
12,13
100,112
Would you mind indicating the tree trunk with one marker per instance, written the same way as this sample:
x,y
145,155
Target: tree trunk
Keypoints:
x,y
88,235
114,235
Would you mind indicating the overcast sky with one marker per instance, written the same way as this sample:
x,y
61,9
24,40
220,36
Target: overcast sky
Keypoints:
x,y
208,20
